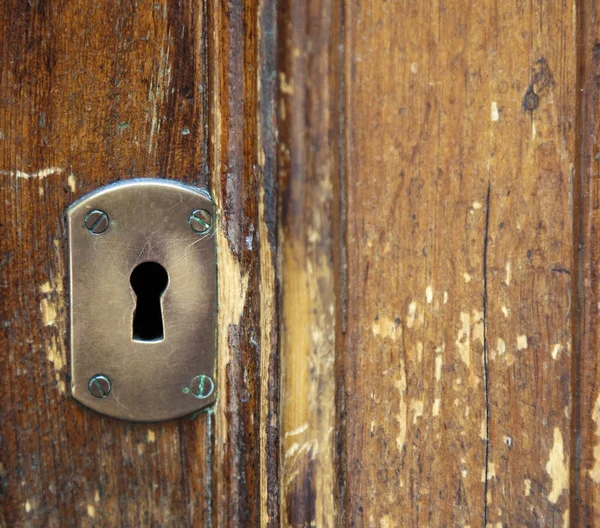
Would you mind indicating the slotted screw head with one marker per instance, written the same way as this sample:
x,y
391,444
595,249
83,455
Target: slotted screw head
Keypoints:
x,y
201,387
201,221
96,221
99,386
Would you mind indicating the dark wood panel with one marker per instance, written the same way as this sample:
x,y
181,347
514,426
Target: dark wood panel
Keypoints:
x,y
93,93
586,393
310,188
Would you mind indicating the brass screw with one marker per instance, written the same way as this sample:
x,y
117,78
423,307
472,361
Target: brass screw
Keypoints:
x,y
96,221
201,221
99,386
201,387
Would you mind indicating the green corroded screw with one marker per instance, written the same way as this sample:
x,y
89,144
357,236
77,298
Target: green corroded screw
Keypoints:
x,y
99,386
201,221
96,221
201,387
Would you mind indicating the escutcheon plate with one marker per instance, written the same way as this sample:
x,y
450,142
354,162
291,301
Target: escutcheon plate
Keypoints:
x,y
110,232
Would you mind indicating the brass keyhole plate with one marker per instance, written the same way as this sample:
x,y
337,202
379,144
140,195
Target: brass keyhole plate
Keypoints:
x,y
110,233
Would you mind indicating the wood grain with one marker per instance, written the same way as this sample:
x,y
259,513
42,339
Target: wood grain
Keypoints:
x,y
247,426
586,406
460,257
309,170
93,93
408,273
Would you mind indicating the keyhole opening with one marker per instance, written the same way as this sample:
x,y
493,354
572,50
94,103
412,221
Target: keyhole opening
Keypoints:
x,y
149,281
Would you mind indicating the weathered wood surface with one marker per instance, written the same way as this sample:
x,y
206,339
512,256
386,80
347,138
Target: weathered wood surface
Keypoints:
x,y
91,93
310,188
586,404
407,196
460,262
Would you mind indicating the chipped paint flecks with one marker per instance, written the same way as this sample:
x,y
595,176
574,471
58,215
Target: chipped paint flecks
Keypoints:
x,y
595,471
402,408
471,329
494,111
411,315
52,311
463,340
557,467
37,175
387,328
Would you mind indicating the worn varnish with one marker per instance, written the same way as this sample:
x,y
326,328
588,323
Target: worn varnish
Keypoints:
x,y
309,169
586,386
407,263
93,93
460,260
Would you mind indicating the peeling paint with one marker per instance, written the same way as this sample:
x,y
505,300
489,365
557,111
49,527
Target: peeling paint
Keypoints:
x,y
401,416
429,294
297,431
501,347
285,86
387,328
417,408
463,340
37,175
491,472
439,361
150,437
71,182
494,111
557,467
412,314
556,350
48,309
521,342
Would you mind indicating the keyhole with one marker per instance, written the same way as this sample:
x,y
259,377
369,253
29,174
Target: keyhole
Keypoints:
x,y
149,281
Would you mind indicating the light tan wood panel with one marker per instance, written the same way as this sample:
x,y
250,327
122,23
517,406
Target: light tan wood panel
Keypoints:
x,y
309,161
459,251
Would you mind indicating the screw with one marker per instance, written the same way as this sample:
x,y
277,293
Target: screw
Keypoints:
x,y
531,101
99,386
96,221
201,387
201,221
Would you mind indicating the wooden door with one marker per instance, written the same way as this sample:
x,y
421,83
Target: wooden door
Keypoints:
x,y
407,259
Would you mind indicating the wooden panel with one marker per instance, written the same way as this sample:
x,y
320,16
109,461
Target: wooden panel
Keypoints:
x,y
309,114
247,427
94,92
586,406
459,262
